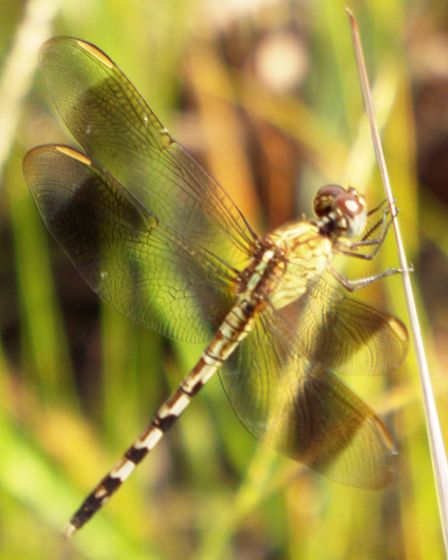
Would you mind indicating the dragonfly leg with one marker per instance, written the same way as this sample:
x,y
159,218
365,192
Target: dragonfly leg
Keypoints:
x,y
384,206
383,221
380,206
351,249
353,285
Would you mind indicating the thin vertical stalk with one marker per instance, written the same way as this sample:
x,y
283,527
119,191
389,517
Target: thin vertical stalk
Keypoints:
x,y
436,444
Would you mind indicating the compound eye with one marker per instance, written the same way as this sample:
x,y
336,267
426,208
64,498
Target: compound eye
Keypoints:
x,y
352,210
326,199
349,205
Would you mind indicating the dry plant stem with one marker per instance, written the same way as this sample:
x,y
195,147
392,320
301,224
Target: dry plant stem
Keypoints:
x,y
20,66
437,447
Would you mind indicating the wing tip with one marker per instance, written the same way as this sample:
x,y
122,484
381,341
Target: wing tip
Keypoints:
x,y
90,48
399,329
32,155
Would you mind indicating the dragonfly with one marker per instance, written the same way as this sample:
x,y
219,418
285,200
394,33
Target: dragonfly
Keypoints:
x,y
159,239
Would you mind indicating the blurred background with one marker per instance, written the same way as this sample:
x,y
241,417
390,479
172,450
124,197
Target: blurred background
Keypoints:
x,y
265,94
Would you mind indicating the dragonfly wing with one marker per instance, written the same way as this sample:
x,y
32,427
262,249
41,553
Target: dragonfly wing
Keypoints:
x,y
305,412
124,253
120,133
329,428
342,334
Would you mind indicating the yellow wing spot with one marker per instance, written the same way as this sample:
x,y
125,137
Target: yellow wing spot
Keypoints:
x,y
74,154
386,437
399,329
99,55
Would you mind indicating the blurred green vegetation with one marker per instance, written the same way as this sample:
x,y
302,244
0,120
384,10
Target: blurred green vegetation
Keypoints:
x,y
266,95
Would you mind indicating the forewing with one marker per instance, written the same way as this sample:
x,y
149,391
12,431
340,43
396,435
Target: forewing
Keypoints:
x,y
120,133
122,250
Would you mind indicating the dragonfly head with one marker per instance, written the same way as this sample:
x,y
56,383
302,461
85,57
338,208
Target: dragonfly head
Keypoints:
x,y
341,212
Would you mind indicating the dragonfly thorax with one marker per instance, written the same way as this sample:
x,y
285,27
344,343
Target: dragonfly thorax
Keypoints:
x,y
304,249
306,253
288,259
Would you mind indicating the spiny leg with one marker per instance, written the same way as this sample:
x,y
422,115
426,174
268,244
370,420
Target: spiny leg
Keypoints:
x,y
351,249
353,285
165,417
377,208
384,206
383,223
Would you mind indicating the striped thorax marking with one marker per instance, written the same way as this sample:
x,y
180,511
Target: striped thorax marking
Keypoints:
x,y
306,254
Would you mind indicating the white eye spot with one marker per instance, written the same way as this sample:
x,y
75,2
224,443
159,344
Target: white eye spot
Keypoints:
x,y
352,206
103,275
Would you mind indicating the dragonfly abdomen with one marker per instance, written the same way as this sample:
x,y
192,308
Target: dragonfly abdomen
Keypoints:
x,y
235,327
